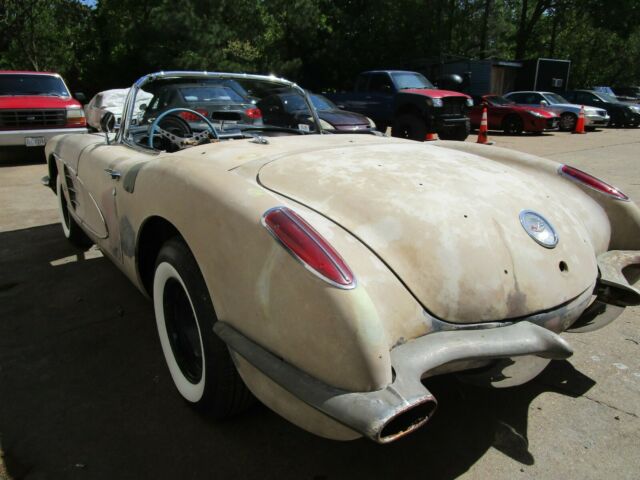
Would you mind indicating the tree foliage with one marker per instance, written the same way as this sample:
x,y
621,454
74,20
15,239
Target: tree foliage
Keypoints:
x,y
320,43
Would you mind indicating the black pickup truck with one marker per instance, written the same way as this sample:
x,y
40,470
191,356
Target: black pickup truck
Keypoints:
x,y
409,103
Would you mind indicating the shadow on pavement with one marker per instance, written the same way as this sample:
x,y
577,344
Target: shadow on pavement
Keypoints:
x,y
84,393
17,156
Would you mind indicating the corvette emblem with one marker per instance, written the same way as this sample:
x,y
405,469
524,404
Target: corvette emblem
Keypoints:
x,y
538,228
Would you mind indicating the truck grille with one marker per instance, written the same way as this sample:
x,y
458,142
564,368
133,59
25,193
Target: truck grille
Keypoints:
x,y
454,105
41,118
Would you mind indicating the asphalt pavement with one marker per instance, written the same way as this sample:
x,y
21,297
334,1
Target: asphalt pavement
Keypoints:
x,y
84,391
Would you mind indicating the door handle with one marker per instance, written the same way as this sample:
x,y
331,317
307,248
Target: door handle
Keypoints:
x,y
115,174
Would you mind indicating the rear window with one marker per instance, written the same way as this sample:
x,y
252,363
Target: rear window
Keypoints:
x,y
211,94
25,84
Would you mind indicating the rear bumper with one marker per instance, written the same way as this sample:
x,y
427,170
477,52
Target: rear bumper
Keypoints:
x,y
17,137
516,351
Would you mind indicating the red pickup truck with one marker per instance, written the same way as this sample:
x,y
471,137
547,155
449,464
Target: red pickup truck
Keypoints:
x,y
35,106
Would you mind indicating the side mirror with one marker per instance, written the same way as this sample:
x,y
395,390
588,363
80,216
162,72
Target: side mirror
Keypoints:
x,y
81,97
544,103
107,124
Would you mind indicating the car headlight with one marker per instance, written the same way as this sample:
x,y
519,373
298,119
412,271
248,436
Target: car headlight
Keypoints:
x,y
469,102
372,124
326,125
435,102
634,108
75,116
535,114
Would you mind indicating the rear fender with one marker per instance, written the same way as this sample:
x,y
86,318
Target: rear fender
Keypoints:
x,y
622,216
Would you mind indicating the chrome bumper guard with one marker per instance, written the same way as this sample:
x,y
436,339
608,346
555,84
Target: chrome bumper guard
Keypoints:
x,y
405,404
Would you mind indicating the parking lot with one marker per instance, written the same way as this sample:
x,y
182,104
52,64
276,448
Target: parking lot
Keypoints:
x,y
84,391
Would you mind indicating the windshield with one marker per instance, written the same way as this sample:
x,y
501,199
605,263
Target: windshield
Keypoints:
x,y
235,106
499,101
322,104
26,84
406,80
554,98
608,98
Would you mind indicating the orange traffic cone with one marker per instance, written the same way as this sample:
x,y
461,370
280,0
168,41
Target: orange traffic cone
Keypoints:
x,y
580,123
482,133
430,137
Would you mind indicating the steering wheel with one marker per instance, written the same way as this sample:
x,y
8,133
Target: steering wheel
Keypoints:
x,y
181,142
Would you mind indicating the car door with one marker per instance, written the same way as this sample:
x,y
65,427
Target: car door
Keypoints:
x,y
379,100
102,173
586,98
356,101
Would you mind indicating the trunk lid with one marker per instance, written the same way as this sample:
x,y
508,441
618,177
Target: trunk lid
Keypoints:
x,y
447,224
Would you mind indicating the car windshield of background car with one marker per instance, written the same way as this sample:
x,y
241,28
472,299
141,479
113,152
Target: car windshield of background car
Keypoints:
x,y
608,98
16,84
322,104
555,98
500,101
411,80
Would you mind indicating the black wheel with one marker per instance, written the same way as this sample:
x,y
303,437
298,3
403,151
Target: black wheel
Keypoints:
x,y
70,227
409,126
459,133
512,125
568,122
198,360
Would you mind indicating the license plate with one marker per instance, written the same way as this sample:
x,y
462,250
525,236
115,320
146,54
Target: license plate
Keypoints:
x,y
34,141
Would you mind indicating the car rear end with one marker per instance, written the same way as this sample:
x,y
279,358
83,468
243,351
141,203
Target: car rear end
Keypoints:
x,y
220,103
34,107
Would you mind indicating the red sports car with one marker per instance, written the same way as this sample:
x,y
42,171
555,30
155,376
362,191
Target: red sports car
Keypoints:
x,y
503,114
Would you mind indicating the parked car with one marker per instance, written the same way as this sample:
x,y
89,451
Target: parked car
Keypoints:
x,y
630,94
221,102
621,114
35,106
504,114
112,101
290,110
409,103
331,274
568,112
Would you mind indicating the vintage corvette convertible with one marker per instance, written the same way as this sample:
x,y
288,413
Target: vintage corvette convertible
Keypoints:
x,y
330,274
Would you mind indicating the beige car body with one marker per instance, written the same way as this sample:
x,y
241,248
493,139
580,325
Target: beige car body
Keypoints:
x,y
431,232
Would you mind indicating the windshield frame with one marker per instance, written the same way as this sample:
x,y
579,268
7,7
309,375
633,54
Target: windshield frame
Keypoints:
x,y
128,111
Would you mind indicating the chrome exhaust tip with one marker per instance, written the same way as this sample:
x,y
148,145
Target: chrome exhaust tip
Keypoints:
x,y
406,421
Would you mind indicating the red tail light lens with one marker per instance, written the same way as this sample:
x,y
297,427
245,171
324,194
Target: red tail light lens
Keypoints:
x,y
190,117
253,113
591,181
308,246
